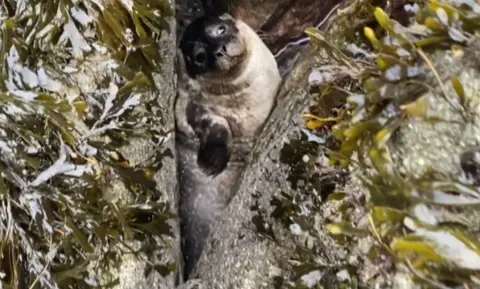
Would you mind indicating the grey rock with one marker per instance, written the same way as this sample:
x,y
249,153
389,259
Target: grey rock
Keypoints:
x,y
192,284
132,271
422,144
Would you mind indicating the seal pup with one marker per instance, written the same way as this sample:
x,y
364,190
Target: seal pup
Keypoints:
x,y
228,90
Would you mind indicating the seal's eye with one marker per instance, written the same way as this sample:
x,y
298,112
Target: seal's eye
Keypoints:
x,y
221,30
200,57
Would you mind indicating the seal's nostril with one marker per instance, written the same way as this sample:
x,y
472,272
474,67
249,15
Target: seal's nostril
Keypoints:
x,y
221,51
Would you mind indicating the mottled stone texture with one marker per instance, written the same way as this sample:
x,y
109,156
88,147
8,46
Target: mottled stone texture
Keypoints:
x,y
422,144
132,271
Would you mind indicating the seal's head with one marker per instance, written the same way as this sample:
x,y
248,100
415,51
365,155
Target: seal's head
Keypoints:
x,y
212,45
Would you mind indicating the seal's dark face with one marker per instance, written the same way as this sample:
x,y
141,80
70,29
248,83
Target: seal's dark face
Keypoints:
x,y
211,45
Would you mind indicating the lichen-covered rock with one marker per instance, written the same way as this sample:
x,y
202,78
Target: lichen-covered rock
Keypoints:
x,y
192,284
166,259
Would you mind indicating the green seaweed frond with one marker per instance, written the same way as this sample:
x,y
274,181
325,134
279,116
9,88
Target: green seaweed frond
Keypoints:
x,y
74,79
391,73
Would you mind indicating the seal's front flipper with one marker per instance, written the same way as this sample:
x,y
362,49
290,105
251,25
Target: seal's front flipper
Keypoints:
x,y
214,153
214,134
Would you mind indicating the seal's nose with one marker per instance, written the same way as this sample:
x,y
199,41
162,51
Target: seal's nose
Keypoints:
x,y
221,51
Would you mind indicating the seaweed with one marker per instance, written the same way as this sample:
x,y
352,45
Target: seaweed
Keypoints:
x,y
73,75
423,221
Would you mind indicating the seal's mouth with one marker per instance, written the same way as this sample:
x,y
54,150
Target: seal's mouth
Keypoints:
x,y
223,60
230,54
232,48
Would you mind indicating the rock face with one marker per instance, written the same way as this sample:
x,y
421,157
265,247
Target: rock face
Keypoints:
x,y
134,272
415,142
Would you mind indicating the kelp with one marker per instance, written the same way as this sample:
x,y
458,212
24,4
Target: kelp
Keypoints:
x,y
424,223
72,75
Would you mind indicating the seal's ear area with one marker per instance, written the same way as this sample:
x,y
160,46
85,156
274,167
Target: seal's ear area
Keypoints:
x,y
193,35
186,61
195,31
